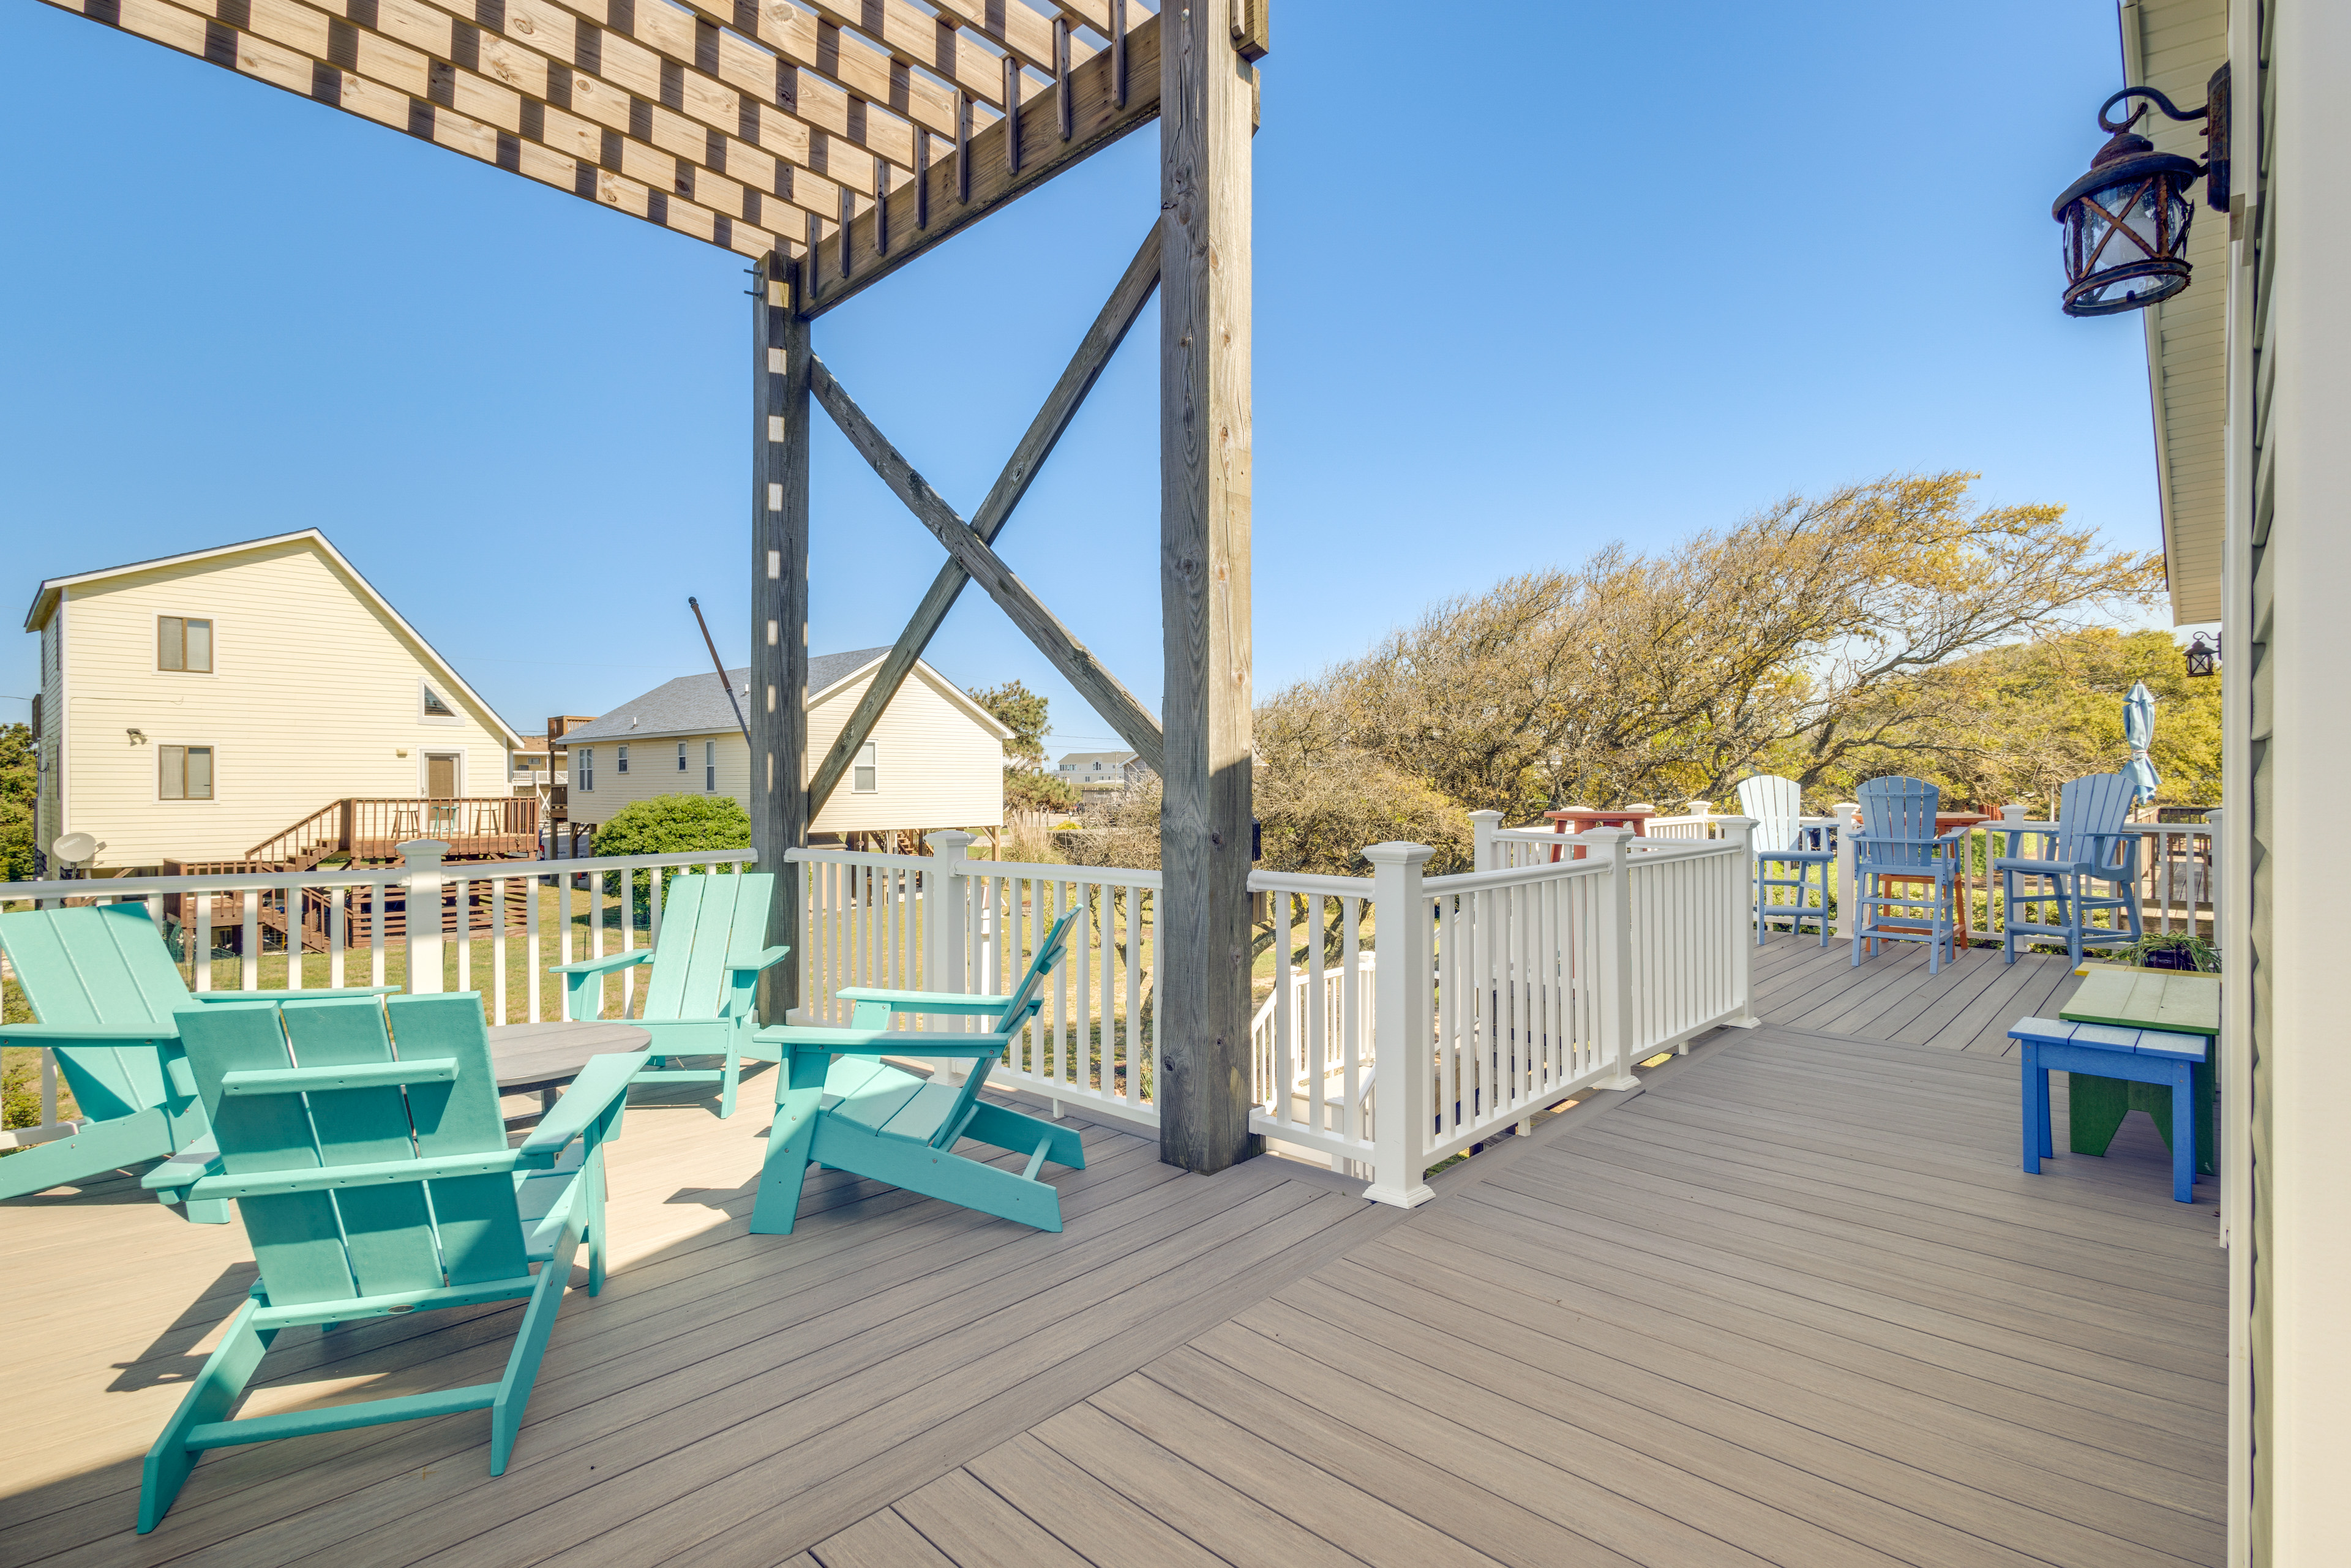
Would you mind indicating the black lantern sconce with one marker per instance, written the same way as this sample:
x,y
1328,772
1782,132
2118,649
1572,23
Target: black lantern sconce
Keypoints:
x,y
2203,657
2126,220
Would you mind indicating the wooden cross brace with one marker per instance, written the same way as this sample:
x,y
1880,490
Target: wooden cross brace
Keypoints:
x,y
970,557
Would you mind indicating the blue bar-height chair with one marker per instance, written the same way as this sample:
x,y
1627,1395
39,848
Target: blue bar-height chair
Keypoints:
x,y
1782,841
2089,846
1897,840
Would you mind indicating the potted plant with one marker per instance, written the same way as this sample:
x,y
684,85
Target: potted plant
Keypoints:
x,y
2176,950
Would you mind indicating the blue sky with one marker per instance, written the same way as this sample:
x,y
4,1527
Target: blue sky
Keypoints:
x,y
1595,273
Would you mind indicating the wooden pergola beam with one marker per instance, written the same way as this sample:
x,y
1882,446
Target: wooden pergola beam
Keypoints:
x,y
1086,367
1102,690
1097,119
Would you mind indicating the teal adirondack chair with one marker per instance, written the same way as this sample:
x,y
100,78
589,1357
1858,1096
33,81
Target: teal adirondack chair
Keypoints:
x,y
371,1170
702,997
108,998
860,1115
2090,845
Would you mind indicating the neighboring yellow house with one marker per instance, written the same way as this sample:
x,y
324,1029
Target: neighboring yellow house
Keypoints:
x,y
935,758
193,707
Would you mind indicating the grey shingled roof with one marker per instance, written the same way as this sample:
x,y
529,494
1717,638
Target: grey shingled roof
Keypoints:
x,y
697,705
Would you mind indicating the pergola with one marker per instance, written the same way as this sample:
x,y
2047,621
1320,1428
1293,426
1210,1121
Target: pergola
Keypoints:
x,y
833,142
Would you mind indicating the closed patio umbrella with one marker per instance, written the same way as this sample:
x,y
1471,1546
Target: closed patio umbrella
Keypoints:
x,y
2138,732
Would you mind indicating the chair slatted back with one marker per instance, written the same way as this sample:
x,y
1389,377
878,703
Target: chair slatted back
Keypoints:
x,y
1777,805
98,966
373,1240
1030,994
2090,816
708,924
1901,809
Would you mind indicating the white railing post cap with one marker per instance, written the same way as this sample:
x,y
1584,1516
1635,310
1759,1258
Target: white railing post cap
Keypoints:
x,y
949,843
1398,853
1493,817
1602,835
423,853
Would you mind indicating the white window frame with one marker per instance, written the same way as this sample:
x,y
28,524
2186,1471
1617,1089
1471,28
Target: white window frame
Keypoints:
x,y
709,766
868,769
619,757
681,757
183,800
454,717
583,762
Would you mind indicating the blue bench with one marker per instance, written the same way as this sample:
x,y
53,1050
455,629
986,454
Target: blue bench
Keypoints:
x,y
2134,1055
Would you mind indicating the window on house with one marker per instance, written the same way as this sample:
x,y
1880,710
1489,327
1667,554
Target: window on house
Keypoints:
x,y
437,706
586,757
709,765
182,643
185,773
681,757
620,760
862,778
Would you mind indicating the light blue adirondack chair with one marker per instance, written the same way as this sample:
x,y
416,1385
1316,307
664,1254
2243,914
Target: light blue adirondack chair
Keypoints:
x,y
108,998
703,996
1897,840
372,1174
2090,846
1782,840
860,1115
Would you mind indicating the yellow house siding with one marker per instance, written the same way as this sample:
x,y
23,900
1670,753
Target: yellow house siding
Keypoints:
x,y
939,767
313,696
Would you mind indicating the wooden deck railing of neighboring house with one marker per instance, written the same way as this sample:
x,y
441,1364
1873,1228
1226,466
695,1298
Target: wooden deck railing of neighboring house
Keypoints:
x,y
370,827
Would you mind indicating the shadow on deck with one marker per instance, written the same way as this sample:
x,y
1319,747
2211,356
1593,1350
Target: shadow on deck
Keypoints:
x,y
1792,1302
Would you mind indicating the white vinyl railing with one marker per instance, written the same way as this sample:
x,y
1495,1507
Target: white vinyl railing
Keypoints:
x,y
502,926
1507,991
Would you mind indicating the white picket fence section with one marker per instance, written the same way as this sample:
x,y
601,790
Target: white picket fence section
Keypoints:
x,y
570,909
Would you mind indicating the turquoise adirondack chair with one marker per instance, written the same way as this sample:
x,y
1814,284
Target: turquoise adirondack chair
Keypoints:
x,y
1783,842
1898,840
109,998
371,1170
703,996
2090,846
860,1115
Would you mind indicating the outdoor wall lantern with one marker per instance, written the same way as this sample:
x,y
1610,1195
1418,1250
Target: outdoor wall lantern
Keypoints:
x,y
2126,220
2203,657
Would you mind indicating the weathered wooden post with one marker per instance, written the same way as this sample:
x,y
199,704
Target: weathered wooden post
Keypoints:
x,y
1206,91
780,538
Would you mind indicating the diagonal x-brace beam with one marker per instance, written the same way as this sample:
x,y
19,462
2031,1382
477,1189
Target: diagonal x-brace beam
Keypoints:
x,y
1086,367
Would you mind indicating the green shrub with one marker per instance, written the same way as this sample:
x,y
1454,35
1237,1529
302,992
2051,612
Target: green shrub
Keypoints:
x,y
674,824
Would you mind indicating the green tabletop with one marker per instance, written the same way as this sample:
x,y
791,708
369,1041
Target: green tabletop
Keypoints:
x,y
2173,1000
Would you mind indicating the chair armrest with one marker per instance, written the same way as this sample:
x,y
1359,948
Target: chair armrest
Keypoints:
x,y
313,994
950,1004
603,966
66,1034
881,1042
383,1173
599,1088
199,1159
758,962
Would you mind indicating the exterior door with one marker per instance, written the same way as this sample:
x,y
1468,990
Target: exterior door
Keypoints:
x,y
441,778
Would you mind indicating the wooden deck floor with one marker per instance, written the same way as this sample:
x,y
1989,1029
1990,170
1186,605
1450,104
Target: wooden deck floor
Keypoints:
x,y
1967,1006
1792,1302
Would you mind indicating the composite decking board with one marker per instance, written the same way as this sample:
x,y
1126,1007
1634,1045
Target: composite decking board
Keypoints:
x,y
578,1346
1855,1348
1498,1524
1915,1227
970,1524
1654,1301
1984,1206
1846,1259
1189,1501
1876,992
1367,1527
1587,1405
1981,1027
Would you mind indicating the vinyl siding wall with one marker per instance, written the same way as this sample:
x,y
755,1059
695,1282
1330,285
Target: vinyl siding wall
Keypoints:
x,y
312,696
939,767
